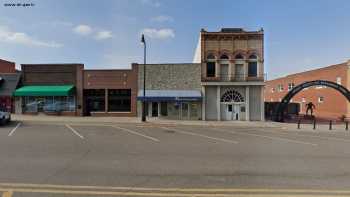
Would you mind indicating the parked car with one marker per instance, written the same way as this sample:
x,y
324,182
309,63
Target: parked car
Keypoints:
x,y
5,117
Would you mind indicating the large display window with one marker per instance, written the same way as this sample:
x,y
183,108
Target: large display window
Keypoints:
x,y
49,104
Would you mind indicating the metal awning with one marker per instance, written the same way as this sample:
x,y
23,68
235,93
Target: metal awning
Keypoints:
x,y
56,90
170,95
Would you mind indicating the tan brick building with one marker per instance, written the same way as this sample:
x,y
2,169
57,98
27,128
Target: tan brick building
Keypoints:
x,y
232,77
329,103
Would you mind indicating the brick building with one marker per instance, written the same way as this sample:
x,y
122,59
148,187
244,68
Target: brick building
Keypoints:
x,y
7,66
232,74
9,80
69,89
51,89
110,92
329,103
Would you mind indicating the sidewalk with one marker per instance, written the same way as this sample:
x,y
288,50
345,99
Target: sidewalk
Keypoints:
x,y
136,120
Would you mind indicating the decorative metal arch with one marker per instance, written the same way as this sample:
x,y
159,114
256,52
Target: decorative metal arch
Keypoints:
x,y
232,96
279,113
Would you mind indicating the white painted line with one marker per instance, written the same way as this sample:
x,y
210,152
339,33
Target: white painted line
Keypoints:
x,y
74,131
314,136
136,133
269,137
200,135
14,129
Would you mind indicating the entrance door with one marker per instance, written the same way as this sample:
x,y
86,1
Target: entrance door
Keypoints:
x,y
185,112
154,109
229,109
232,112
235,112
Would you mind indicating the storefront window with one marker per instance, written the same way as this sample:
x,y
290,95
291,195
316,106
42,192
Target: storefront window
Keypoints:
x,y
174,110
71,103
95,100
30,104
49,104
194,110
119,100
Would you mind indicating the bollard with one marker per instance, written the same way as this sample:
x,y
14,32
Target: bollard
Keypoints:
x,y
299,124
314,124
346,125
330,125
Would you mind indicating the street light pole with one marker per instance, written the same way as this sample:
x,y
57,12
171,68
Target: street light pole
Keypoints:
x,y
143,119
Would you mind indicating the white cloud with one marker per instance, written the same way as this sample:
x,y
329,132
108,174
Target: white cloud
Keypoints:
x,y
153,3
82,30
159,33
101,35
9,36
162,18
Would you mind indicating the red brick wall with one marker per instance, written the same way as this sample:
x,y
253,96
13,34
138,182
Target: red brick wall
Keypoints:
x,y
7,67
56,74
335,104
113,79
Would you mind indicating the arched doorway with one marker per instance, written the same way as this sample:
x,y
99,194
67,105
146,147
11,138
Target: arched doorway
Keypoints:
x,y
279,113
232,102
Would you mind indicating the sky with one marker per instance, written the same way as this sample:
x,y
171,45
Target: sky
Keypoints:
x,y
299,35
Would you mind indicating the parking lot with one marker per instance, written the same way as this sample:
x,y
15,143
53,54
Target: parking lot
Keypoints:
x,y
122,156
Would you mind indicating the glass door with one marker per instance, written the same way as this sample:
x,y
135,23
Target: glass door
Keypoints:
x,y
185,112
154,109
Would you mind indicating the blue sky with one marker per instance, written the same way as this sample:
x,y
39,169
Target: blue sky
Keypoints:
x,y
299,34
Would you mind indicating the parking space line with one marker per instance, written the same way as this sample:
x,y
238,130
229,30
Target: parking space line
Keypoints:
x,y
269,137
14,129
200,135
314,136
74,131
136,133
7,194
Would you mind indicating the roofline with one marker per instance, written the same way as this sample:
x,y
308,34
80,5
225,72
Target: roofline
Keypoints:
x,y
52,64
108,69
7,61
235,33
167,63
307,71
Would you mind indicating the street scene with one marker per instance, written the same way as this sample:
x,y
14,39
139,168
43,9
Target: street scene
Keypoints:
x,y
157,98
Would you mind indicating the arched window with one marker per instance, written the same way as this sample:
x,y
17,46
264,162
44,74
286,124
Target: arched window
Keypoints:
x,y
239,57
224,57
253,66
232,96
253,57
210,65
210,57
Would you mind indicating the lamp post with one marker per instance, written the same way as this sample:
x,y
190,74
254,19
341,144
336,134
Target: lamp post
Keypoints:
x,y
143,41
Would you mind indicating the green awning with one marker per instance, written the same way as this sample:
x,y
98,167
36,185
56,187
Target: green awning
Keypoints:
x,y
57,90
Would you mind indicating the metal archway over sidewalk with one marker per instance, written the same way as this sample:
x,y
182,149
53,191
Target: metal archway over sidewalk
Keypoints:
x,y
284,103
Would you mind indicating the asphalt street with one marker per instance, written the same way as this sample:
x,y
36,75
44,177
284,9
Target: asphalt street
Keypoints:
x,y
38,159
